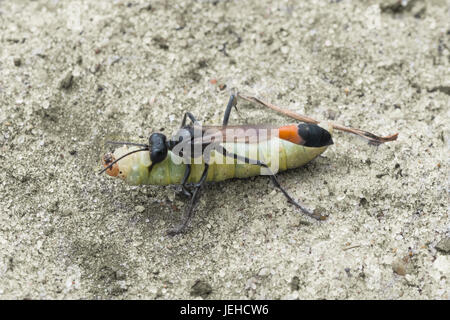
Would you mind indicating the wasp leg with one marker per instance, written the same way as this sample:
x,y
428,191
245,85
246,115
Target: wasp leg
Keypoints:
x,y
188,214
185,191
231,103
272,177
191,117
291,200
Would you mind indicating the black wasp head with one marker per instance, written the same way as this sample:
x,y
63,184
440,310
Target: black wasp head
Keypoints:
x,y
158,147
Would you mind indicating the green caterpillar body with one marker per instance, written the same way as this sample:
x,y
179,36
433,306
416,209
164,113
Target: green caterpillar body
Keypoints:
x,y
277,153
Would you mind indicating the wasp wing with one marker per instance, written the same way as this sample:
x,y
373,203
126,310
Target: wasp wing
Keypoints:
x,y
239,134
196,139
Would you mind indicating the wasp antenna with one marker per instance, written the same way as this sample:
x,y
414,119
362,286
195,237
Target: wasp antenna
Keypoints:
x,y
287,113
115,161
128,143
372,138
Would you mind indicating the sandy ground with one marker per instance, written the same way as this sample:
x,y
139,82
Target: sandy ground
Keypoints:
x,y
74,74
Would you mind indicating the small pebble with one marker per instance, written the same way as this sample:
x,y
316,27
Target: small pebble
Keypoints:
x,y
201,289
139,209
264,272
444,245
17,62
399,267
295,283
67,81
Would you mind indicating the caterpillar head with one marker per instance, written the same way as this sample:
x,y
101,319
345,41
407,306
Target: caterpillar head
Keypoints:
x,y
133,159
126,162
107,160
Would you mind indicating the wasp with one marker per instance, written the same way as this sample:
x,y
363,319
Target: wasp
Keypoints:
x,y
198,154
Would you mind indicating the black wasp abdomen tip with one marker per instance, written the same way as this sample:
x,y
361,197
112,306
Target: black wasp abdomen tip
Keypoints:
x,y
314,136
